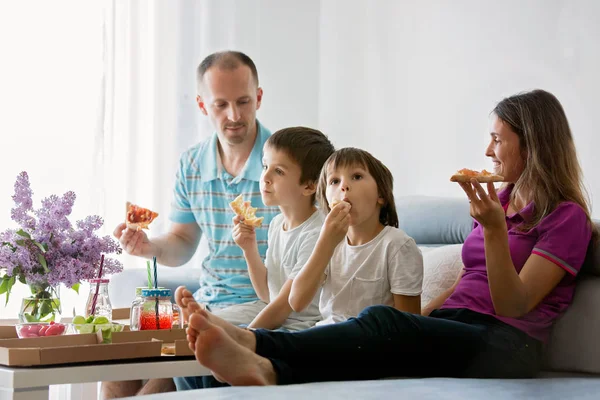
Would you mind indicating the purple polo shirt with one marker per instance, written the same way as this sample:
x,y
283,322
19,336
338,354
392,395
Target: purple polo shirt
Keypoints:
x,y
561,237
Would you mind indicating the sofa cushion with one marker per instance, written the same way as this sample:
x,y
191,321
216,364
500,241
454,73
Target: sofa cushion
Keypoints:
x,y
573,344
441,266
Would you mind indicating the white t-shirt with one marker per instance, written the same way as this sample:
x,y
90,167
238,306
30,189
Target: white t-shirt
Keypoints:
x,y
287,252
366,275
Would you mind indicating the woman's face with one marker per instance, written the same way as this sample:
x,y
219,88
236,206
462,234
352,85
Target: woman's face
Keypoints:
x,y
505,151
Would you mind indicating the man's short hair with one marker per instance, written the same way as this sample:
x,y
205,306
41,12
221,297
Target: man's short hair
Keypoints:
x,y
228,60
308,147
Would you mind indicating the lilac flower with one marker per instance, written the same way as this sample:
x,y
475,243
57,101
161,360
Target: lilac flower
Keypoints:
x,y
71,254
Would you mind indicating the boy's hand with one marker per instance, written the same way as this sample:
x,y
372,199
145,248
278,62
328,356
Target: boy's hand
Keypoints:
x,y
243,235
336,224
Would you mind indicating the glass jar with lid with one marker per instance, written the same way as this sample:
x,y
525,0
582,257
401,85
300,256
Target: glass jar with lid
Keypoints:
x,y
134,313
156,310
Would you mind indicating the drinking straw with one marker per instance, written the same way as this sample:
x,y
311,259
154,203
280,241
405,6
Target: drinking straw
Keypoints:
x,y
156,287
148,267
97,286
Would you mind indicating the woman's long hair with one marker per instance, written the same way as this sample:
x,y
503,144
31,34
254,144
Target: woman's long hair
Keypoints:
x,y
552,173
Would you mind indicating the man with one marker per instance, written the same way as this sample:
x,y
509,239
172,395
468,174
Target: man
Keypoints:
x,y
210,175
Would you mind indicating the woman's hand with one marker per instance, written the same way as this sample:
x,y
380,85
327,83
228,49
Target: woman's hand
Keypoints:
x,y
243,235
336,224
485,207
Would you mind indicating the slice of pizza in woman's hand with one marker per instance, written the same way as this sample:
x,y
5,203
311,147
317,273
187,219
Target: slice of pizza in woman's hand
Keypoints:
x,y
465,175
246,211
139,217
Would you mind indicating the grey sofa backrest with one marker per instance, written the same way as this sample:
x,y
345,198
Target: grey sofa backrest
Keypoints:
x,y
434,221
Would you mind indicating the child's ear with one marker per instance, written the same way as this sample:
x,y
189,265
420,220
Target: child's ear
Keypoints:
x,y
309,189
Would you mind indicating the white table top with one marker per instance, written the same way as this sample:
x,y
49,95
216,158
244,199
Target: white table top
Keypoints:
x,y
26,377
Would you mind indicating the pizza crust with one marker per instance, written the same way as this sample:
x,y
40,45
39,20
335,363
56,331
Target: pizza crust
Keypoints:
x,y
246,211
465,175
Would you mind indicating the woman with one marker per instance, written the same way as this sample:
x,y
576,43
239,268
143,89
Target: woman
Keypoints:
x,y
521,259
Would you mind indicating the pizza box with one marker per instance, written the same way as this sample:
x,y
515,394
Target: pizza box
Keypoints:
x,y
66,349
120,314
170,338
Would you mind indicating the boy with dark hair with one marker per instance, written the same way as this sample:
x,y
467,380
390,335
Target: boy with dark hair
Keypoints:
x,y
292,161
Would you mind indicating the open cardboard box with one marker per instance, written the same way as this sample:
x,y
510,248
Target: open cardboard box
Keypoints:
x,y
65,349
172,339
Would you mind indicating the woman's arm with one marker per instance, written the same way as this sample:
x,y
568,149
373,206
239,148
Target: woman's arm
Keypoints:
x,y
513,294
276,312
411,304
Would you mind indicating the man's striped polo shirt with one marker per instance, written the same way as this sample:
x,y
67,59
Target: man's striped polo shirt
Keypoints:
x,y
203,190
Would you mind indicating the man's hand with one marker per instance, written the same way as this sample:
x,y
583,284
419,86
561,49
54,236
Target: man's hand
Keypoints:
x,y
243,235
135,242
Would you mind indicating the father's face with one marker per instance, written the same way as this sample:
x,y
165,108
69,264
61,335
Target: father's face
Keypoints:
x,y
230,98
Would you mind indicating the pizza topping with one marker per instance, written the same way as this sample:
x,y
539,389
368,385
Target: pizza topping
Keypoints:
x,y
139,217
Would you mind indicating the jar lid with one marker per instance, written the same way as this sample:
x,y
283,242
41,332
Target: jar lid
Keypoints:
x,y
98,280
138,290
156,292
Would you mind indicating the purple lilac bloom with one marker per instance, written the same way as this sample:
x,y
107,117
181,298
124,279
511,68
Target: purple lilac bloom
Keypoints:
x,y
72,254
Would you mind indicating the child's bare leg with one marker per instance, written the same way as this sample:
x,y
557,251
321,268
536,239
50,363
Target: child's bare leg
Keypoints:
x,y
230,362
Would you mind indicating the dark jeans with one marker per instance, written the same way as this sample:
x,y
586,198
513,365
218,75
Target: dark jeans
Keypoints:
x,y
384,342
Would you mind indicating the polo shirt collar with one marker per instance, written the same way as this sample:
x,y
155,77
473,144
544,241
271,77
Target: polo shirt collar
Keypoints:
x,y
504,197
211,164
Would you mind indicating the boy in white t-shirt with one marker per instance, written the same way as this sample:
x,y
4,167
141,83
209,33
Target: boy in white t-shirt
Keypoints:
x,y
292,163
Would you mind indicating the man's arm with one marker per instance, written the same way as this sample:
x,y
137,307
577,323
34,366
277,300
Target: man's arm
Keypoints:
x,y
172,249
276,312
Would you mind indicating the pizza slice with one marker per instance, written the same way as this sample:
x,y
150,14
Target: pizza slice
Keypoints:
x,y
465,175
246,211
139,217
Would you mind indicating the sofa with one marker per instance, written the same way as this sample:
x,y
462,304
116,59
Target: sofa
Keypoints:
x,y
439,225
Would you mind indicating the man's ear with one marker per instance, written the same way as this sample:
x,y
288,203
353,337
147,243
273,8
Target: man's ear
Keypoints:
x,y
259,95
201,105
309,189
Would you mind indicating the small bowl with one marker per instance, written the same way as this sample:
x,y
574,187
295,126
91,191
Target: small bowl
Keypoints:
x,y
106,329
40,329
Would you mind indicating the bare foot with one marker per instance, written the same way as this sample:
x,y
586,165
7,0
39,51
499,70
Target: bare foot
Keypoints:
x,y
186,302
229,361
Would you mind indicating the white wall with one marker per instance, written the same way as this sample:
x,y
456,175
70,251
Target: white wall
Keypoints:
x,y
411,81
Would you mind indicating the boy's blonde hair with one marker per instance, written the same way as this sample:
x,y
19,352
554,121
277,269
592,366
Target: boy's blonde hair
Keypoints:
x,y
349,157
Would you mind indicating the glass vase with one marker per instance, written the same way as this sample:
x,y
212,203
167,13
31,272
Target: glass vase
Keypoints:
x,y
43,305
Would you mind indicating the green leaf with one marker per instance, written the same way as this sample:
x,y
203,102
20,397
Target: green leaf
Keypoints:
x,y
4,284
40,246
11,282
13,248
75,287
21,232
22,279
42,261
20,242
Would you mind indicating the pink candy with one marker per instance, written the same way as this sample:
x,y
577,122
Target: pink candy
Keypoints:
x,y
40,330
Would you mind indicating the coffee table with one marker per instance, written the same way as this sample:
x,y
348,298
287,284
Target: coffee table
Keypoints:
x,y
32,383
